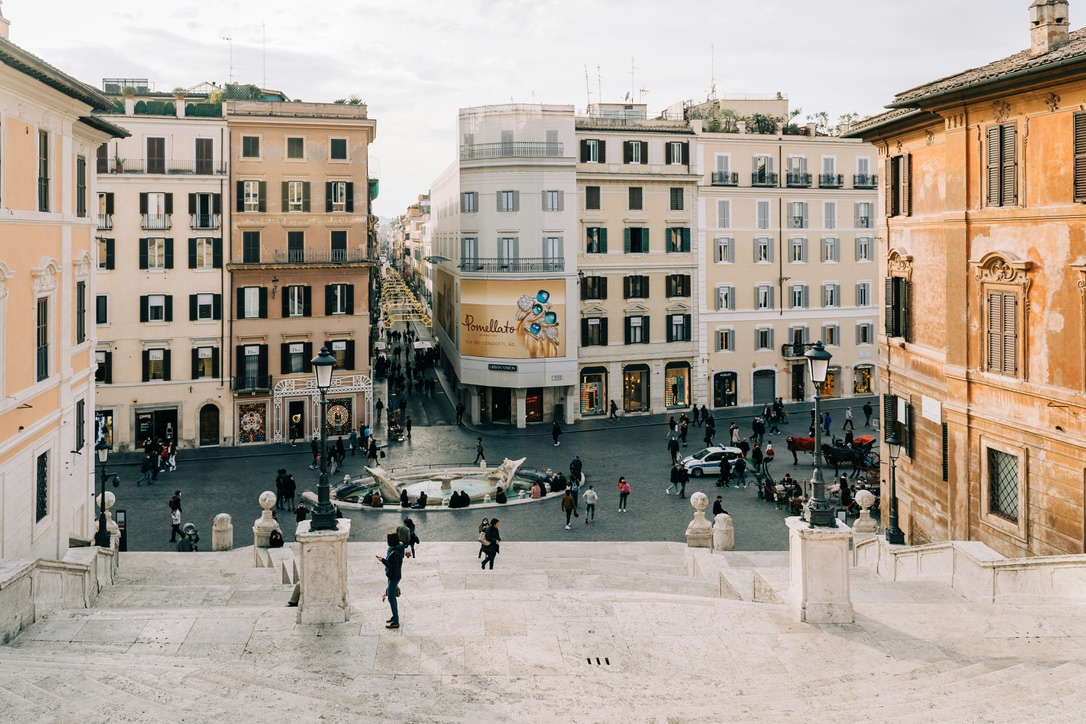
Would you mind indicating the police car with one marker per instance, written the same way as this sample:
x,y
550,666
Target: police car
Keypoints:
x,y
707,461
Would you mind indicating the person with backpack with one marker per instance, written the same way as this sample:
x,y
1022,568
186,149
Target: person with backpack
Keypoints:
x,y
393,563
623,494
740,468
491,543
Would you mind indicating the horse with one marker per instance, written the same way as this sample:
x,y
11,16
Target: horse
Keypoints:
x,y
800,444
860,458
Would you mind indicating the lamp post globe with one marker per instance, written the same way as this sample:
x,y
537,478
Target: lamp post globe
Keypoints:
x,y
818,512
894,534
324,516
101,536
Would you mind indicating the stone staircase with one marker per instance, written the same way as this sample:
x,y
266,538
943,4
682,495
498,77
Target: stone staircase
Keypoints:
x,y
578,632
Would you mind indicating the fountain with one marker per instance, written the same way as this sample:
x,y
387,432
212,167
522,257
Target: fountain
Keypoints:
x,y
477,483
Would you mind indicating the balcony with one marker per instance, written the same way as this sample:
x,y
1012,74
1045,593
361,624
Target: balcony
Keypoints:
x,y
204,221
202,167
511,149
763,178
863,222
799,180
793,351
155,222
723,178
105,221
319,256
513,266
252,384
865,181
831,181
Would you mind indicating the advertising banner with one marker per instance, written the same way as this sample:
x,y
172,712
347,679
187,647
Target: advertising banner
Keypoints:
x,y
513,319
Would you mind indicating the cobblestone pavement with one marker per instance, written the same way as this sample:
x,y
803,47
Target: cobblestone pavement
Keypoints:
x,y
229,480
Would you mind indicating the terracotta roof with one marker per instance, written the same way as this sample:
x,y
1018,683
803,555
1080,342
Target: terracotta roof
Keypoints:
x,y
858,128
35,67
1021,63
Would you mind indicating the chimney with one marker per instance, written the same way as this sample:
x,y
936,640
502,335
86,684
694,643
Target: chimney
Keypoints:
x,y
5,24
1048,25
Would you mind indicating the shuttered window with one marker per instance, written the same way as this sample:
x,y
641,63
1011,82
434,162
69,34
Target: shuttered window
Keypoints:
x,y
1002,165
1080,156
1003,332
899,193
896,307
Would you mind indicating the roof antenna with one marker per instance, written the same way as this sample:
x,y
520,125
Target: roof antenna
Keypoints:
x,y
264,52
587,86
230,40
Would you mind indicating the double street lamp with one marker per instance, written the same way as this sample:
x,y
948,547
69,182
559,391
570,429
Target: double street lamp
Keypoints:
x,y
324,516
818,512
894,534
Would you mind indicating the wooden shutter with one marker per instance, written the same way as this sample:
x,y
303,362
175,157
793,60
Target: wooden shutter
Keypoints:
x,y
584,322
994,185
644,151
216,206
143,308
262,296
262,204
348,355
110,261
1080,156
685,152
143,253
329,299
626,242
195,363
108,362
143,202
645,329
667,153
908,425
995,332
305,196
1010,333
669,285
307,301
216,253
262,362
888,186
904,294
889,413
169,204
286,195
627,151
193,306
625,287
192,252
888,307
946,452
109,203
1008,192
686,239
146,365
349,197
350,298
603,151
240,201
169,308
516,201
603,240
584,151
286,302
284,358
192,204
169,252
328,197
239,312
216,306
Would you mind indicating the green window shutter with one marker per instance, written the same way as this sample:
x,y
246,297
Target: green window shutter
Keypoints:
x,y
195,363
216,306
146,365
584,151
603,287
143,253
216,253
328,197
627,151
645,240
350,298
239,306
645,330
284,358
625,287
193,311
169,307
603,151
286,195
626,243
307,357
584,322
603,331
329,299
239,201
667,155
350,197
262,300
110,261
307,301
889,413
192,253
903,304
603,240
143,308
263,191
686,239
286,302
305,196
169,253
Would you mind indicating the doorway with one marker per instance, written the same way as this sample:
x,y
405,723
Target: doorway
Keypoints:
x,y
500,407
765,386
725,389
799,382
296,419
156,425
209,425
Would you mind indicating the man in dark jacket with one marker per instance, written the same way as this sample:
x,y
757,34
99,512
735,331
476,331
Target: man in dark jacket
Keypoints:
x,y
393,562
491,547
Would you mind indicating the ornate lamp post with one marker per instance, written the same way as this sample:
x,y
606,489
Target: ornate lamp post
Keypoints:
x,y
101,538
324,516
894,534
817,512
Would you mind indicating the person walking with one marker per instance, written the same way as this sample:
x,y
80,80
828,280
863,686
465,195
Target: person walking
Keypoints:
x,y
380,406
684,478
675,476
371,453
590,500
280,480
740,468
315,448
673,448
290,487
295,428
568,506
412,539
826,422
614,415
478,450
145,472
175,524
734,430
482,535
867,414
556,430
407,426
393,563
684,429
623,494
493,543
575,466
459,413
353,441
848,419
575,482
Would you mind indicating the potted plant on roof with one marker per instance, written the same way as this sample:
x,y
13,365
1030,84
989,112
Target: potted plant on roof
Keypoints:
x,y
118,164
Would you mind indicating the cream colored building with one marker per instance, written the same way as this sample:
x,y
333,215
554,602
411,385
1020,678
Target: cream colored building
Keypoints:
x,y
48,140
786,239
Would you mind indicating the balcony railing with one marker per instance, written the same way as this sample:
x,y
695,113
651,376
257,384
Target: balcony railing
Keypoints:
x,y
863,222
511,149
792,351
43,194
764,178
799,180
156,221
105,221
168,166
319,256
831,181
513,266
723,178
252,384
43,362
205,221
865,181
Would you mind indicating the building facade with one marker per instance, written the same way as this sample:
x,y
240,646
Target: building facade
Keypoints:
x,y
300,262
48,141
983,342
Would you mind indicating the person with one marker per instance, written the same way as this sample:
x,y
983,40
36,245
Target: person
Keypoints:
x,y
684,478
341,451
725,472
673,449
478,450
295,428
623,494
499,496
568,507
575,487
371,454
156,458
590,500
353,441
848,437
301,512
537,492
459,413
867,414
275,539
756,455
189,539
576,466
280,479
145,472
556,430
759,429
380,406
675,476
393,563
740,467
175,524
482,533
734,430
493,543
614,415
404,501
413,539
175,500
826,421
718,506
684,429
404,533
769,453
420,502
314,446
848,504
407,426
848,419
376,501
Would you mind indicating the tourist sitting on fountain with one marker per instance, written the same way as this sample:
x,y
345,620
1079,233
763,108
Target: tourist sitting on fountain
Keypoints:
x,y
367,499
376,501
537,488
499,496
404,502
420,502
558,483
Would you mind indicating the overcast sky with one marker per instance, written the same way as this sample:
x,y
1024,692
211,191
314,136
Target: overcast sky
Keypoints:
x,y
415,62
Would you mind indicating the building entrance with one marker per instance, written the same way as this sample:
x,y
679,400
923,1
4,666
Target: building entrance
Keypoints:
x,y
500,406
156,424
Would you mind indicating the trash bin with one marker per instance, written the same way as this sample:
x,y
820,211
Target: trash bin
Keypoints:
x,y
560,412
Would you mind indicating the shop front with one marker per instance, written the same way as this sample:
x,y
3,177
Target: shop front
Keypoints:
x,y
160,424
533,405
635,388
863,380
677,384
832,386
765,386
593,391
725,389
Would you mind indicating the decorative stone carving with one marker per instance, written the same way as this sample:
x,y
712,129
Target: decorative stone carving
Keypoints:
x,y
899,146
699,534
1052,101
1080,268
954,121
264,525
898,264
45,276
929,137
5,274
1004,268
82,266
222,533
865,526
1001,110
723,532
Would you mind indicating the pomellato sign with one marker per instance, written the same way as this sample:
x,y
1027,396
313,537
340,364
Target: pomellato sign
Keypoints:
x,y
512,319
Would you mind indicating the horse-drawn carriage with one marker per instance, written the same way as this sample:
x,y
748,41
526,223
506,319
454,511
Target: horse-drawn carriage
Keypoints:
x,y
861,455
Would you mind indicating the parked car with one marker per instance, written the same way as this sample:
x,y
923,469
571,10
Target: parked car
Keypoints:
x,y
707,461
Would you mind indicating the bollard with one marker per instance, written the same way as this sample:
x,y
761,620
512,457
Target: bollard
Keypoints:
x,y
222,533
723,532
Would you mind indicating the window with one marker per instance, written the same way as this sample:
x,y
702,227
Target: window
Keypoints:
x,y
678,328
469,253
676,199
296,301
250,247
635,198
205,307
635,287
339,299
677,153
101,164
1002,165
592,198
205,156
81,186
252,303
295,148
156,155
80,312
831,295
865,333
637,330
763,249
829,214
156,365
156,308
831,334
637,240
763,296
105,210
724,214
725,298
899,194
864,248
896,304
594,332
554,253
797,215
469,202
105,254
594,288
762,174
508,251
863,294
343,351
103,367
251,196
204,210
338,239
43,171
831,249
763,338
252,367
296,358
1003,484
340,195
80,424
508,200
677,240
156,209
42,338
725,250
101,309
1002,312
205,362
296,247
338,149
41,498
593,151
797,250
552,200
799,296
250,146
725,340
763,214
677,285
635,152
596,240
205,253
156,253
296,196
1080,156
864,215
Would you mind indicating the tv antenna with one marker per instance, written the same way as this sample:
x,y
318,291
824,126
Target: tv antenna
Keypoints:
x,y
230,40
587,86
264,52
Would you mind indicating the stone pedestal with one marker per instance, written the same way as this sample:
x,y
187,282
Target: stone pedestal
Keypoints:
x,y
323,568
818,590
699,534
222,533
865,526
264,525
111,525
723,532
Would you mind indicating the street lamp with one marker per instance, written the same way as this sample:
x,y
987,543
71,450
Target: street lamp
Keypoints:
x,y
101,538
817,511
324,516
894,534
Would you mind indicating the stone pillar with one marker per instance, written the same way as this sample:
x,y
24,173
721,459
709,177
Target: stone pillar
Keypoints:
x,y
520,405
573,404
111,525
699,534
723,532
264,525
818,590
323,569
475,414
222,533
865,526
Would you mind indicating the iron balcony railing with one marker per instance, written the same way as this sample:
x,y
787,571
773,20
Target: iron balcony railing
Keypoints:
x,y
865,181
205,221
793,351
252,384
511,149
513,266
105,221
43,194
831,181
319,256
202,167
723,178
764,178
155,221
799,180
43,362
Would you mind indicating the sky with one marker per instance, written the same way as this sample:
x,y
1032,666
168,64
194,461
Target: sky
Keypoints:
x,y
416,62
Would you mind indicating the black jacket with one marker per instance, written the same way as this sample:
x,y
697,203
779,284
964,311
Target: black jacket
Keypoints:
x,y
394,562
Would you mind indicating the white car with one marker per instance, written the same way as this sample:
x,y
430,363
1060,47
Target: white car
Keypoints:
x,y
707,461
